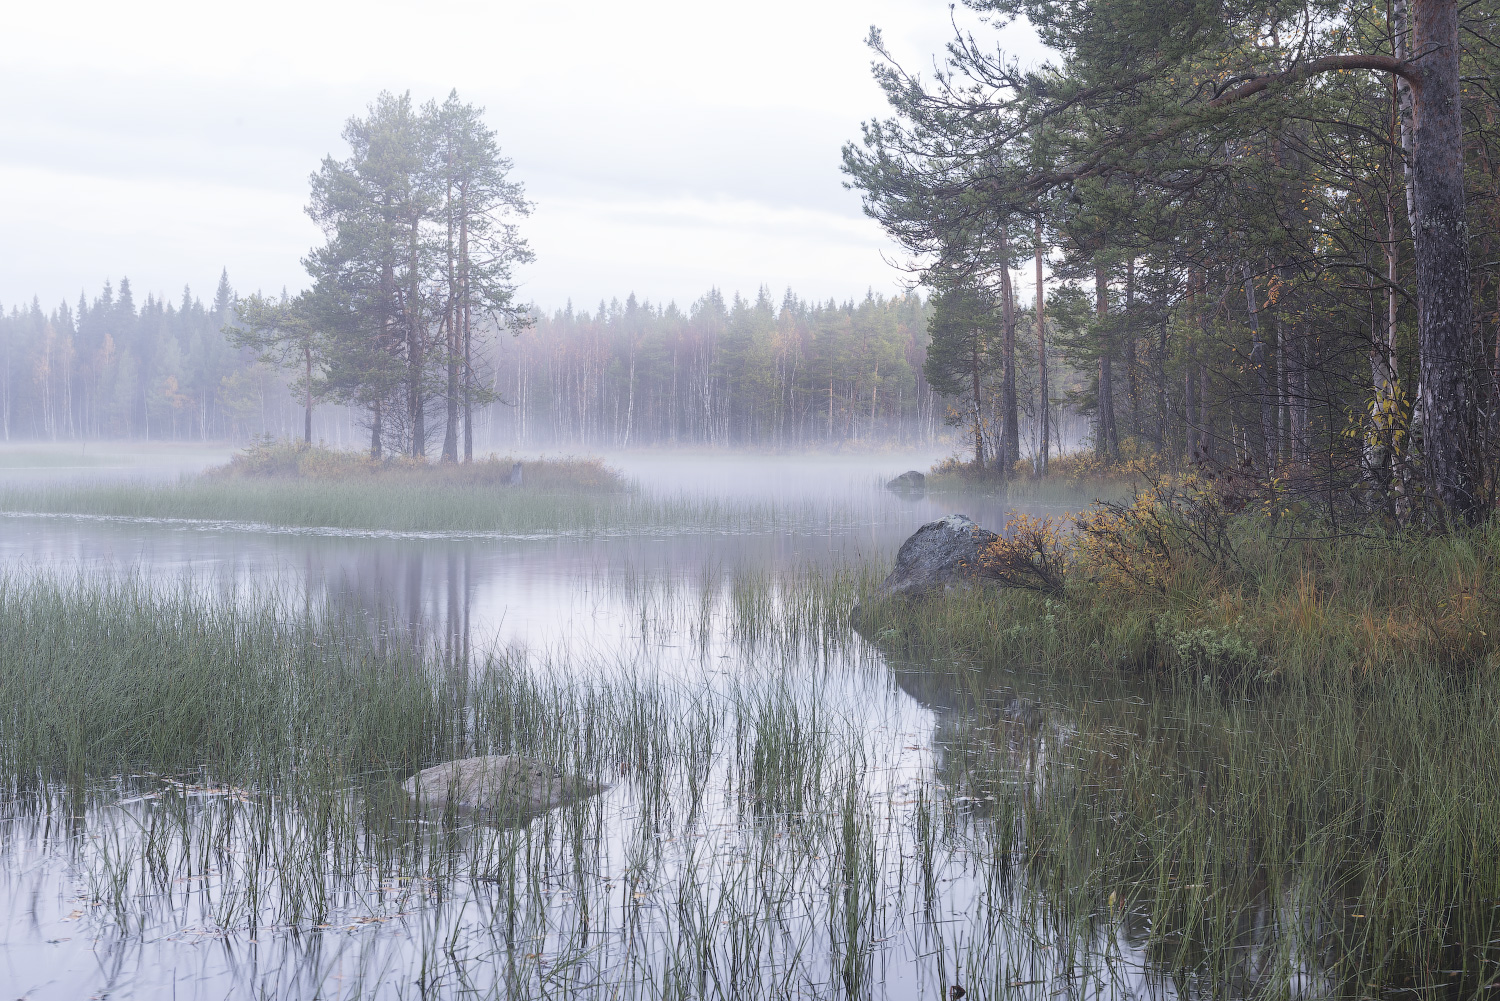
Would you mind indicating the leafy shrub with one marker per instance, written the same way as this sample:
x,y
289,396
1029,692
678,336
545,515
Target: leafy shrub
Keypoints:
x,y
1143,544
1215,654
1031,554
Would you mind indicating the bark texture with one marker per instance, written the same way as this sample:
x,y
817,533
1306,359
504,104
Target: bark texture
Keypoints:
x,y
1446,341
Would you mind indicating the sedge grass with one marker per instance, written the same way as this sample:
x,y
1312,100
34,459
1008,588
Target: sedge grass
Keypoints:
x,y
760,839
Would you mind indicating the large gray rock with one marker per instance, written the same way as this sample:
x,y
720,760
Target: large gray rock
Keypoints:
x,y
497,783
940,556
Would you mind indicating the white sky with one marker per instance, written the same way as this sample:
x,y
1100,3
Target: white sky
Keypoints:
x,y
670,146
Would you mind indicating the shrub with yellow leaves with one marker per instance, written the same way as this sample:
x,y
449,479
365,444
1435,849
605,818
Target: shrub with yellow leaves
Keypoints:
x,y
1031,554
1144,543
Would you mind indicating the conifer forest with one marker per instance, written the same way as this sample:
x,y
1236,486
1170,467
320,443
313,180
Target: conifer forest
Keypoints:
x,y
1266,231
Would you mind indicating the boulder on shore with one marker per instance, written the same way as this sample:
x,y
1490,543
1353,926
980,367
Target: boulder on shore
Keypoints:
x,y
497,783
940,556
909,481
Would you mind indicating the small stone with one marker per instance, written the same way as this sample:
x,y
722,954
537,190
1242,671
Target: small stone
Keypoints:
x,y
497,783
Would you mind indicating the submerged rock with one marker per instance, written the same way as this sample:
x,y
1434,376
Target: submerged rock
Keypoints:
x,y
1007,708
940,556
908,482
497,783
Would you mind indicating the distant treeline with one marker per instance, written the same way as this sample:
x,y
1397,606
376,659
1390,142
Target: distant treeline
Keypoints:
x,y
110,369
723,372
740,372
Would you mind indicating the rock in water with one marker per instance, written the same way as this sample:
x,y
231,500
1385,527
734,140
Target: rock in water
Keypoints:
x,y
909,481
497,783
939,556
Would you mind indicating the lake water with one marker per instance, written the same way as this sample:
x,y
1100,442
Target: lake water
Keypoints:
x,y
660,878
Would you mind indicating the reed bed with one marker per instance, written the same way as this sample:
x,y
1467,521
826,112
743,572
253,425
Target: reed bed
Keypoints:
x,y
230,775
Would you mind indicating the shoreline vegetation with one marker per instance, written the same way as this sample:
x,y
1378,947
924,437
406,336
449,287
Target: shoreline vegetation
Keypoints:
x,y
1217,579
1271,707
1256,741
1078,478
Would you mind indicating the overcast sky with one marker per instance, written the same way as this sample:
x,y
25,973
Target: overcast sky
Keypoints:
x,y
669,146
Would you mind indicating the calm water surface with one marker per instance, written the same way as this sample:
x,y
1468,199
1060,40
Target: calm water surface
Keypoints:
x,y
538,591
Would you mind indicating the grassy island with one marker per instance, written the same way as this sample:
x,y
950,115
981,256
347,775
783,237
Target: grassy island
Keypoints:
x,y
291,485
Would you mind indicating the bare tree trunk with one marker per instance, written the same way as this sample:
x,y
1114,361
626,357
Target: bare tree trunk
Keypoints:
x,y
1162,430
450,395
1283,398
1389,375
1132,358
1041,352
416,406
375,431
1206,430
1449,387
1405,108
630,405
450,344
1262,374
1009,449
1107,441
307,374
1304,396
978,404
465,308
1190,397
